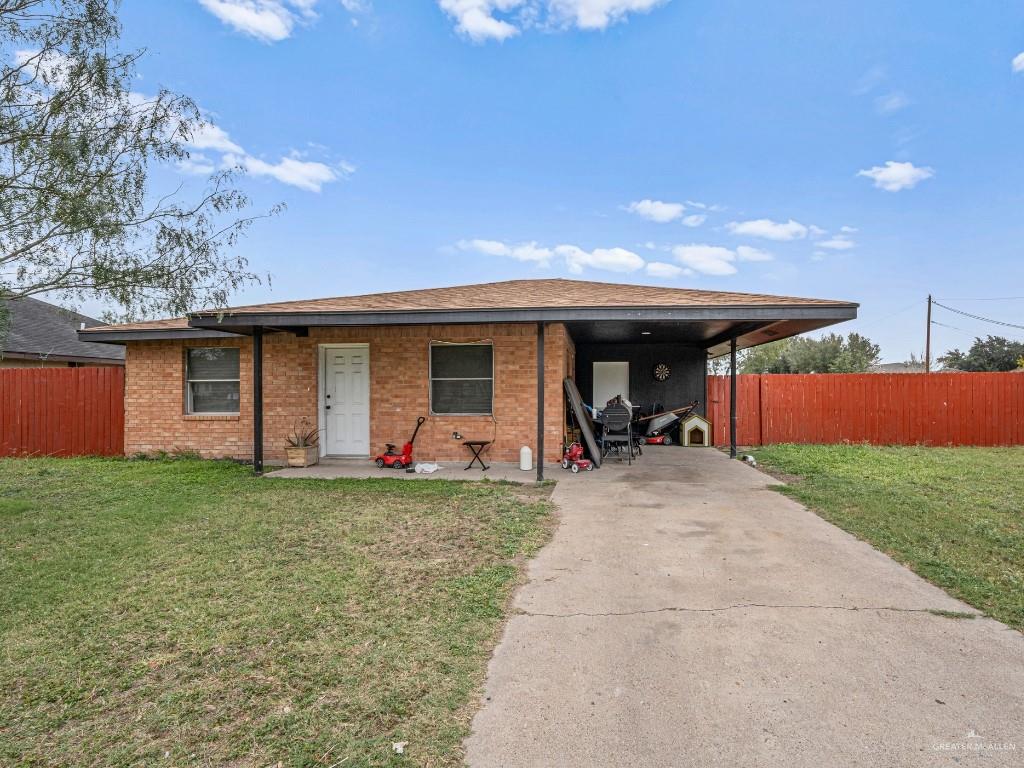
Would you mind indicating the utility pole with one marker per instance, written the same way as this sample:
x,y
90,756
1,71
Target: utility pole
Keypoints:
x,y
928,339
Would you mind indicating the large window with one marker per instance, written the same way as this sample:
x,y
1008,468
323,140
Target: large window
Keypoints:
x,y
461,378
211,375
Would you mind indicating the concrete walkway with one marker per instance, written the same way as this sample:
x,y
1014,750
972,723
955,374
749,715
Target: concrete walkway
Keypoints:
x,y
687,615
332,469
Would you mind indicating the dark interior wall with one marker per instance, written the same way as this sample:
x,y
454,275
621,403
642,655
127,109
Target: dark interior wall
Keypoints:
x,y
687,382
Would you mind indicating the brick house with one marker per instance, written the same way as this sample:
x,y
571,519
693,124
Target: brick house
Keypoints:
x,y
473,359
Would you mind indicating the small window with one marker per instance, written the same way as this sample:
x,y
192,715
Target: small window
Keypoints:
x,y
461,378
211,375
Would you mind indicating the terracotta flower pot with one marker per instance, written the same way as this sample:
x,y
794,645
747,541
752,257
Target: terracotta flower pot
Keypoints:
x,y
302,456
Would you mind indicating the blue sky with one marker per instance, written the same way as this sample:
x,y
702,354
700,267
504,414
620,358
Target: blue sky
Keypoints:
x,y
868,151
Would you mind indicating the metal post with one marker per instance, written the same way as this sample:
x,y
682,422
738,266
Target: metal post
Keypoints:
x,y
732,398
257,400
540,402
928,339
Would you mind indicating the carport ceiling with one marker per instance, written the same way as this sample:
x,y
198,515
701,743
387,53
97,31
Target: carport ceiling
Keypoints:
x,y
695,333
711,335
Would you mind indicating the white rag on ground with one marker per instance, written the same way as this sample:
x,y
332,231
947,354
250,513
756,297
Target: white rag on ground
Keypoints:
x,y
426,468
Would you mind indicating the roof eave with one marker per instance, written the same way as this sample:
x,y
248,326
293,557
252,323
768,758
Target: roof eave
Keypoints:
x,y
59,358
243,321
113,336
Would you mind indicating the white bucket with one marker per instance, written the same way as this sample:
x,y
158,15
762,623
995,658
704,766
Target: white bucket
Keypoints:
x,y
525,458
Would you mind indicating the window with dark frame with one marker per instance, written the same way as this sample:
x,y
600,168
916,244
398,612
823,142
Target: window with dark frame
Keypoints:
x,y
211,380
462,378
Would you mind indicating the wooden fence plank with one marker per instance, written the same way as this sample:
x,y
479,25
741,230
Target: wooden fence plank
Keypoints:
x,y
881,409
62,411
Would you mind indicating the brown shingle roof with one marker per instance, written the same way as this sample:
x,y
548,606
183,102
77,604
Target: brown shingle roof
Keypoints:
x,y
531,294
511,294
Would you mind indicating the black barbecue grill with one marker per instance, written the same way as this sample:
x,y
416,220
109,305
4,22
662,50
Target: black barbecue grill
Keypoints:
x,y
617,429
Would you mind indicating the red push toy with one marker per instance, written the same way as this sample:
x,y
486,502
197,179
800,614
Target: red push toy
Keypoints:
x,y
573,459
391,458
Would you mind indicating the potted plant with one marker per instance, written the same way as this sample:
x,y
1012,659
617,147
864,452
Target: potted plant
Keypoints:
x,y
303,445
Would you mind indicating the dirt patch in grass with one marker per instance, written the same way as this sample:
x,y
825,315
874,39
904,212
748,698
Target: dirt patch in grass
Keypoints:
x,y
953,515
186,613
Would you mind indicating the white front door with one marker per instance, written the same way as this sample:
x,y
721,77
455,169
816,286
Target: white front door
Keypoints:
x,y
610,380
346,404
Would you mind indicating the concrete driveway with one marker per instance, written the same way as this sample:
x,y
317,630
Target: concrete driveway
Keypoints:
x,y
686,614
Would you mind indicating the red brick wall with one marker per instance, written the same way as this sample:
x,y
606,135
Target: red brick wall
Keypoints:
x,y
399,392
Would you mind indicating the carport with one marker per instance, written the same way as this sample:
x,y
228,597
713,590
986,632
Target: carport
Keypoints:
x,y
660,354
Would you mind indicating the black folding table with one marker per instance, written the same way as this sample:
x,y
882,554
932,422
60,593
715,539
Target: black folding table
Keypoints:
x,y
477,447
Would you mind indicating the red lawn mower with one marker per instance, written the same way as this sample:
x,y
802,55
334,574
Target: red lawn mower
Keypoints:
x,y
391,458
573,459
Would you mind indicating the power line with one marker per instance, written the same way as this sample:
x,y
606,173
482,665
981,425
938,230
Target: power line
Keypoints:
x,y
978,317
986,298
952,327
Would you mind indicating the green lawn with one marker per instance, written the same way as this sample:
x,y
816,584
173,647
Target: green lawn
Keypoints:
x,y
953,515
185,613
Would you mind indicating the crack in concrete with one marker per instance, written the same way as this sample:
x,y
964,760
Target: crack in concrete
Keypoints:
x,y
717,609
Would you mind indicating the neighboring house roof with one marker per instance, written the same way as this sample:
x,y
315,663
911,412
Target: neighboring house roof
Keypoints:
x,y
41,331
509,301
897,368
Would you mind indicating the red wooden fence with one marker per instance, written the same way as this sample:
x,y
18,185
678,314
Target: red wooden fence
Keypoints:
x,y
62,411
878,408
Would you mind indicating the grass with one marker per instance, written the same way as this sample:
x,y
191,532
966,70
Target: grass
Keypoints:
x,y
953,515
185,613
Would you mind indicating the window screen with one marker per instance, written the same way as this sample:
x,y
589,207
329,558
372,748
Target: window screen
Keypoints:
x,y
211,380
461,378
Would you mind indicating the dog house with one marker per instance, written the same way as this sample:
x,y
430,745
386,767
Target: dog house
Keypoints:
x,y
695,431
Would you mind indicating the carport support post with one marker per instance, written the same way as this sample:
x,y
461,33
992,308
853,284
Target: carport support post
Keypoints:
x,y
732,398
540,402
257,400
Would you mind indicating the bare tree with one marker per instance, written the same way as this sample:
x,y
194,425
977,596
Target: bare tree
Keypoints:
x,y
77,213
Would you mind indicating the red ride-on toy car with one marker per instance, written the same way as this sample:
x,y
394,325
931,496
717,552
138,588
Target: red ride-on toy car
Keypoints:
x,y
573,459
394,459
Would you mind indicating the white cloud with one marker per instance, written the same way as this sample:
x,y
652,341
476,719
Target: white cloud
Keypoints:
x,y
768,229
656,210
522,252
196,164
661,269
705,206
746,253
576,259
476,20
611,259
707,259
597,14
837,243
848,230
266,20
694,219
304,174
1018,62
816,231
482,20
893,176
869,81
272,20
210,136
891,102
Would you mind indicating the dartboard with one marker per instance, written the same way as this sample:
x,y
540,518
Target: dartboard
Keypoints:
x,y
662,371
